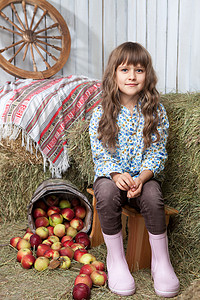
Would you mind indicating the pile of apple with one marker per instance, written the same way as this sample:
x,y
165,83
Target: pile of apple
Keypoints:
x,y
57,240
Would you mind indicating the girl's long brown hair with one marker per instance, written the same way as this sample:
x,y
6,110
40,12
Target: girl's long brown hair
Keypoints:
x,y
131,54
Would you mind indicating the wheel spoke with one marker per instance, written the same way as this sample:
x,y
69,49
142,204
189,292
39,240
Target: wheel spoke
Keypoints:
x,y
34,13
20,48
57,37
47,28
11,46
38,51
7,19
33,59
47,44
44,14
25,52
16,14
52,56
25,15
10,30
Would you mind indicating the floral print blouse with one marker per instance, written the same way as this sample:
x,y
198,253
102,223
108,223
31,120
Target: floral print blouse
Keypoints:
x,y
129,156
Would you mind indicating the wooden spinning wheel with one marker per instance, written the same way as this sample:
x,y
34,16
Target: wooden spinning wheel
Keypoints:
x,y
37,38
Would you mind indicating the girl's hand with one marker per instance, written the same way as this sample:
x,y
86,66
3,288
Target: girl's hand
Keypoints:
x,y
133,193
139,181
123,181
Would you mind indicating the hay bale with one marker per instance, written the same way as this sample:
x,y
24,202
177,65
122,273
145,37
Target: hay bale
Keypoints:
x,y
192,292
182,181
182,177
20,175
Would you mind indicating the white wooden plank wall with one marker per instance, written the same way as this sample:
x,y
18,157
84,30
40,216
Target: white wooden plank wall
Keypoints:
x,y
169,29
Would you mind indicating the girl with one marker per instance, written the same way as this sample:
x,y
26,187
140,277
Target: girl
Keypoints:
x,y
128,134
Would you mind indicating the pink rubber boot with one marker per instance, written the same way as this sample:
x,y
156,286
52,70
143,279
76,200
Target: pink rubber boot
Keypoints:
x,y
166,284
120,280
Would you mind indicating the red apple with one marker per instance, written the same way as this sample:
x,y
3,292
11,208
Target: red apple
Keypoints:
x,y
41,263
51,253
53,210
55,219
40,204
23,252
66,238
50,228
98,277
28,230
41,221
79,253
76,246
81,234
27,236
81,291
71,231
99,265
64,203
52,200
68,243
75,202
87,269
41,249
67,224
80,212
43,232
65,262
27,261
66,251
77,223
67,213
87,258
39,212
83,278
85,241
22,244
56,246
59,230
14,241
35,240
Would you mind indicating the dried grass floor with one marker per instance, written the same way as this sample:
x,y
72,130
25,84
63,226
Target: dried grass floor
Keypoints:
x,y
18,283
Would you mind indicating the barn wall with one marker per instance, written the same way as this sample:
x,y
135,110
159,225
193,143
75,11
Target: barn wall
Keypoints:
x,y
169,29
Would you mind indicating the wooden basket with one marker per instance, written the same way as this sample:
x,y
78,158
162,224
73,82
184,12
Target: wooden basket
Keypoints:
x,y
63,189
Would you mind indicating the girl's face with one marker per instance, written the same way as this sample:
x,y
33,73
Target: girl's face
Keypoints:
x,y
130,80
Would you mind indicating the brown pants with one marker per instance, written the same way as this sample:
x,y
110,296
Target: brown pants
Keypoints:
x,y
110,200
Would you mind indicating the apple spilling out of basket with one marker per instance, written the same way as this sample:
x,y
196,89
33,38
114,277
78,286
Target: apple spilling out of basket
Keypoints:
x,y
58,240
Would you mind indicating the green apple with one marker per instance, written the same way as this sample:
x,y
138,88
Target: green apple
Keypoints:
x,y
23,244
41,263
65,262
87,258
98,277
56,246
55,219
43,232
59,230
71,231
53,239
64,203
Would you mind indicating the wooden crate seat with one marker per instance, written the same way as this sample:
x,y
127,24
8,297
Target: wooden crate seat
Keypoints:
x,y
138,252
